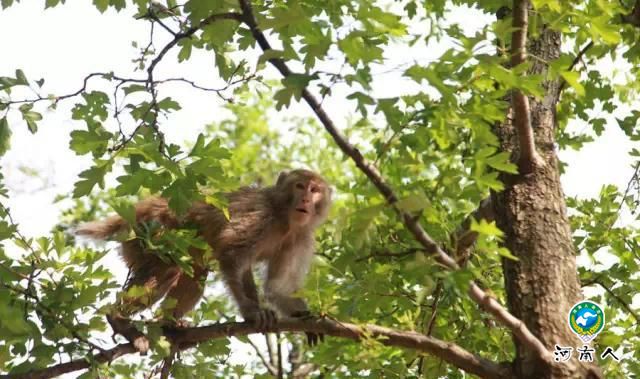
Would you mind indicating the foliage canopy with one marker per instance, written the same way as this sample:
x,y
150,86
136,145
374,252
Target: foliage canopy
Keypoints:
x,y
431,138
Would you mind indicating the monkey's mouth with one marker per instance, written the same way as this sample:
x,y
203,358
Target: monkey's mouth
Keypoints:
x,y
302,210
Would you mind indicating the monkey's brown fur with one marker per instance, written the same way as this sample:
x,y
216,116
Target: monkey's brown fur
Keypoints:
x,y
273,224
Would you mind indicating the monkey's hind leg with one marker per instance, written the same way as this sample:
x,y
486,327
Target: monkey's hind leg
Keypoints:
x,y
186,294
147,284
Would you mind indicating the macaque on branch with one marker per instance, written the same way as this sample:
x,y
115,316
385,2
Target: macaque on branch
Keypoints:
x,y
274,225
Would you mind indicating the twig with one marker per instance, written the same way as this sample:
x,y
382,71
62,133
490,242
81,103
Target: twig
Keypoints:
x,y
191,31
388,254
576,60
634,178
434,307
280,358
268,339
56,99
624,304
272,370
167,363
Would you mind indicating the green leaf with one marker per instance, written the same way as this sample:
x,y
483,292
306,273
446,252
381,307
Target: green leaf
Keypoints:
x,y
414,203
218,33
6,230
486,228
501,162
118,4
102,5
213,149
363,100
601,28
91,177
21,78
505,253
124,209
134,88
573,79
285,17
5,136
283,98
270,54
181,194
169,104
95,141
359,48
31,117
185,51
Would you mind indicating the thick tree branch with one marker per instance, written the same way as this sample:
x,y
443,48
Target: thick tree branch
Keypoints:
x,y
487,303
188,337
529,158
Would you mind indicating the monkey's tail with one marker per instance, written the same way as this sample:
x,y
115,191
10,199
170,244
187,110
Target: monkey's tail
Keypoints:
x,y
103,229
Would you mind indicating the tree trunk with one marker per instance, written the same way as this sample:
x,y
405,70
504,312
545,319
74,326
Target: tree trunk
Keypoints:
x,y
543,284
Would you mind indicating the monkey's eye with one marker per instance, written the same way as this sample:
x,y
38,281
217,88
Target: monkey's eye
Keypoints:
x,y
315,189
300,185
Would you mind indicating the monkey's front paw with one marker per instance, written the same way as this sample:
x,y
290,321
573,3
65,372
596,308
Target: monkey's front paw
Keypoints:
x,y
263,318
312,338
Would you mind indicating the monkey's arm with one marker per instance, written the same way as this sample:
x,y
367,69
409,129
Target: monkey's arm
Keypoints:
x,y
236,269
285,276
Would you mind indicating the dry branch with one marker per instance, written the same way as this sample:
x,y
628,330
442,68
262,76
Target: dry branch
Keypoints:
x,y
188,337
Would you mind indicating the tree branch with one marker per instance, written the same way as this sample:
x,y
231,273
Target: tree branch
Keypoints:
x,y
272,370
411,223
75,365
529,158
189,32
623,303
189,337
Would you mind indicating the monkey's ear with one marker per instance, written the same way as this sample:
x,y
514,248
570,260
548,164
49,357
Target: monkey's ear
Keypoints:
x,y
283,175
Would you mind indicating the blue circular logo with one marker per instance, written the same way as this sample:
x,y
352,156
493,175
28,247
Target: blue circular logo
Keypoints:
x,y
586,320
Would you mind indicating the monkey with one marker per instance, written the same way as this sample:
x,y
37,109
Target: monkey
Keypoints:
x,y
273,224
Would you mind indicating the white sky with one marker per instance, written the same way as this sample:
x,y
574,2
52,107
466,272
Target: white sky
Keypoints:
x,y
66,43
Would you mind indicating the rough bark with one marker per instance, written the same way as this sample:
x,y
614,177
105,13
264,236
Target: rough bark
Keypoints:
x,y
543,284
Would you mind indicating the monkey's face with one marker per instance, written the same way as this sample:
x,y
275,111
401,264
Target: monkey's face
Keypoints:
x,y
309,197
